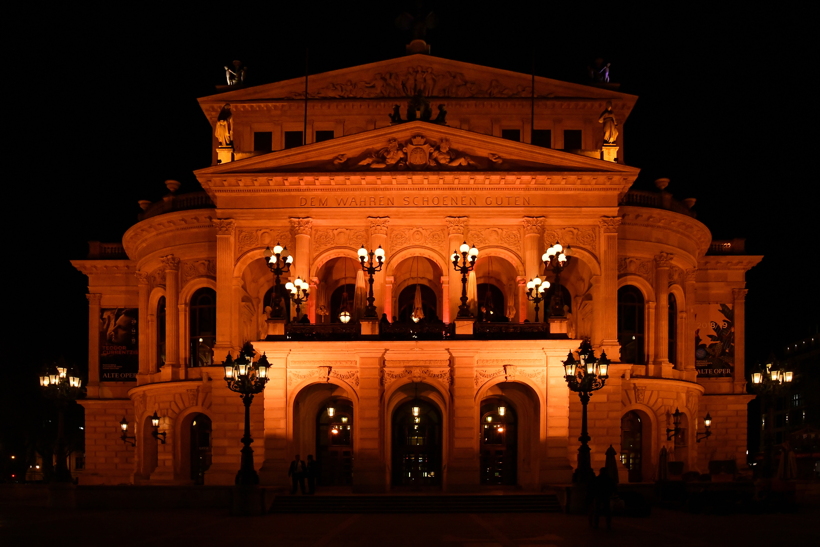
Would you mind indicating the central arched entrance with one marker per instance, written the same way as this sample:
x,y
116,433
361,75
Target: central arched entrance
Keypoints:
x,y
416,444
499,443
200,448
632,445
334,443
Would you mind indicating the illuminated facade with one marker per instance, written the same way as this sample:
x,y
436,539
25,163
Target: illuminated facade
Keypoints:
x,y
484,160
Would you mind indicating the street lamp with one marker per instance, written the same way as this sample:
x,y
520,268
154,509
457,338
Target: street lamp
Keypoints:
x,y
64,387
247,378
464,266
555,259
585,375
370,267
535,293
767,383
298,294
279,261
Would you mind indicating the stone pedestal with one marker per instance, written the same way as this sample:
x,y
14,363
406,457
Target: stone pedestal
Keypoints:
x,y
558,325
276,327
224,154
370,327
609,152
464,326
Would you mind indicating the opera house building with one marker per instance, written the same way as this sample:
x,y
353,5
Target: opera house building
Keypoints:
x,y
417,249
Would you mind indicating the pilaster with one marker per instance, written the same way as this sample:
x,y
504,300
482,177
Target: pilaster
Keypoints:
x,y
226,308
739,375
606,315
456,232
533,243
275,459
660,361
555,464
371,468
378,238
690,372
171,370
94,300
389,280
302,229
143,326
463,463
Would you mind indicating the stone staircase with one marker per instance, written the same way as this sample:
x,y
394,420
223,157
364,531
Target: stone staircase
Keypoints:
x,y
437,503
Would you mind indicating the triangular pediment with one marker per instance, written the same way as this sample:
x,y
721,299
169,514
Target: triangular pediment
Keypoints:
x,y
416,147
403,77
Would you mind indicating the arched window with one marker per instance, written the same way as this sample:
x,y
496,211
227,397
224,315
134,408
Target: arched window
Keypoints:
x,y
631,324
673,329
407,299
202,327
161,332
342,295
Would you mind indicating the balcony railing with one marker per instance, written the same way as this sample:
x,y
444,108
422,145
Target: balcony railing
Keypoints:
x,y
182,202
656,200
400,331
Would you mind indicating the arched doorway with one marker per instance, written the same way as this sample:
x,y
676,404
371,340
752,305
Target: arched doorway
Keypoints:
x,y
416,444
491,299
499,443
334,443
407,300
200,448
632,445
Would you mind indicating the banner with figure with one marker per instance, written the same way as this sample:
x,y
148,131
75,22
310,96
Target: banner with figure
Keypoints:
x,y
715,341
119,343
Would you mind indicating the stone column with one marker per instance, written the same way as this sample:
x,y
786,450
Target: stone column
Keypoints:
x,y
94,312
389,280
686,342
302,228
226,309
313,300
523,302
533,249
171,370
445,292
554,433
739,375
661,365
463,463
371,469
378,237
456,231
275,458
606,309
144,328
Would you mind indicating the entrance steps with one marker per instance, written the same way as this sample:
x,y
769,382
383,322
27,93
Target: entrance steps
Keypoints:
x,y
430,503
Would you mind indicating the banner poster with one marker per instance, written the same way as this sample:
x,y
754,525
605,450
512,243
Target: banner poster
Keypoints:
x,y
119,355
715,341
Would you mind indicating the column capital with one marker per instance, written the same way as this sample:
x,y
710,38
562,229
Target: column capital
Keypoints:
x,y
455,225
533,225
739,294
94,298
224,226
170,262
609,224
142,278
663,260
378,225
301,226
690,276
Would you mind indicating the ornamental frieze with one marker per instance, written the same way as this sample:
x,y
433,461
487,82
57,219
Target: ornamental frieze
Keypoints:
x,y
197,268
346,371
263,237
339,237
425,81
488,369
417,373
417,236
630,265
509,238
157,277
584,236
676,276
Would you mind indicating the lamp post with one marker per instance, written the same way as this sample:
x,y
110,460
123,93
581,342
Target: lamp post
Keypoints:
x,y
768,382
464,266
585,375
279,261
370,267
298,294
535,293
64,387
555,259
247,378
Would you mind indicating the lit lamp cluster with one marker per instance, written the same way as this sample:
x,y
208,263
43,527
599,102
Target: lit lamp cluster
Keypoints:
x,y
335,428
555,258
585,375
535,293
676,421
247,378
62,385
279,261
772,377
372,262
464,262
155,432
299,293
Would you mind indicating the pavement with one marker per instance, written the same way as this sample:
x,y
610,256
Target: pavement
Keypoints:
x,y
35,526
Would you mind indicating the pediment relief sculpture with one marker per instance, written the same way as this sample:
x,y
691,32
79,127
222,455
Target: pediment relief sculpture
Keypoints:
x,y
417,153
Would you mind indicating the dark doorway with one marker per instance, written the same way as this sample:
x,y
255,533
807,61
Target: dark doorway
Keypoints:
x,y
632,445
491,298
417,445
200,447
343,295
499,442
407,298
334,443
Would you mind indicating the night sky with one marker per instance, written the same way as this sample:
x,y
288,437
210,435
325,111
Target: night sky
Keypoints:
x,y
104,110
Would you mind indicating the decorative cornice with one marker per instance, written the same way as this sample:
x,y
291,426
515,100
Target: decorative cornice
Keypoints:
x,y
728,262
91,267
655,219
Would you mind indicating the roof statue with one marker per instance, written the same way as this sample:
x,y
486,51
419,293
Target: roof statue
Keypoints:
x,y
599,72
224,126
610,124
236,75
418,23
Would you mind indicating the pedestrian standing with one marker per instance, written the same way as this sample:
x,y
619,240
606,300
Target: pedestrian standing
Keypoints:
x,y
311,474
296,472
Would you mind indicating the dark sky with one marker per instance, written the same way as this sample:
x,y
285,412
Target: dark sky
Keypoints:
x,y
105,110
